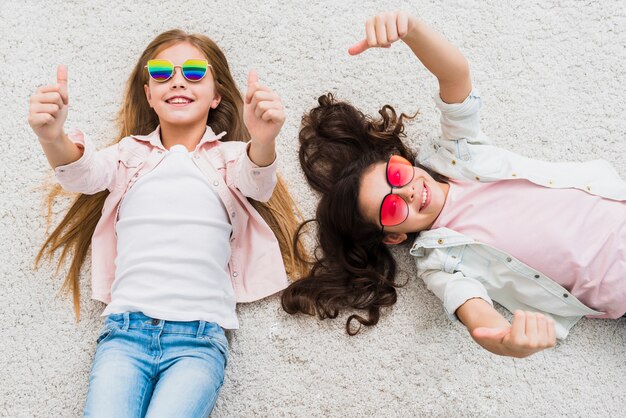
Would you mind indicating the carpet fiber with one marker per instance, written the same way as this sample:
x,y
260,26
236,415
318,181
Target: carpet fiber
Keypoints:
x,y
552,76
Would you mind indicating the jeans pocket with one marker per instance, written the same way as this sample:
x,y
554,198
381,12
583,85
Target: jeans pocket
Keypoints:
x,y
106,334
219,342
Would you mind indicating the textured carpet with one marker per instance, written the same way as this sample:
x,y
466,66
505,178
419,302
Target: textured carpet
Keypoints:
x,y
552,75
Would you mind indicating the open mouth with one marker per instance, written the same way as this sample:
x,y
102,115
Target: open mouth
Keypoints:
x,y
179,101
425,197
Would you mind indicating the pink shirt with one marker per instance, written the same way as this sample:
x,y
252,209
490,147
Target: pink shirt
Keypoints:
x,y
255,266
582,249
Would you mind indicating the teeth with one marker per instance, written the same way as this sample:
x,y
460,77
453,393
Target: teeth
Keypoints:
x,y
178,100
424,196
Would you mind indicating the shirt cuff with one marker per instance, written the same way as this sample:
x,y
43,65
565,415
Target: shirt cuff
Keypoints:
x,y
78,138
470,105
461,293
256,182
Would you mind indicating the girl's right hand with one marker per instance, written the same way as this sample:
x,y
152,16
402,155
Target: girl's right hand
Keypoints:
x,y
48,108
383,30
529,333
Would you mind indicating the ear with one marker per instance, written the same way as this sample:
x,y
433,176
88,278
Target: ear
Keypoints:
x,y
216,101
395,238
146,89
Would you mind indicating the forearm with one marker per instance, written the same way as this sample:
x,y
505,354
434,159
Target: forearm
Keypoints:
x,y
477,313
262,155
61,152
441,58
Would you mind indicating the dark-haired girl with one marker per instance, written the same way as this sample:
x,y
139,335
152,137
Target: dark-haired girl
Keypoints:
x,y
545,240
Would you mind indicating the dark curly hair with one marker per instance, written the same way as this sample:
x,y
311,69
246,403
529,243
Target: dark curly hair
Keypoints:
x,y
352,267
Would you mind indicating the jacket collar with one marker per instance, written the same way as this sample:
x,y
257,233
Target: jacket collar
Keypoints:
x,y
154,137
440,237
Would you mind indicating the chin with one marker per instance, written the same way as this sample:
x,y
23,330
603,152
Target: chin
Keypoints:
x,y
181,119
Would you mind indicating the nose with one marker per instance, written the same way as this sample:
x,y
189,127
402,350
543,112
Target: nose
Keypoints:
x,y
177,80
407,192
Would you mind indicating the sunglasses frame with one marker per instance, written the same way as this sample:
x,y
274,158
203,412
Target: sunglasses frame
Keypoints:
x,y
391,192
181,70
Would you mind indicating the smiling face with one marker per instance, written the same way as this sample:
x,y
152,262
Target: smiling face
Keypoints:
x,y
179,101
425,198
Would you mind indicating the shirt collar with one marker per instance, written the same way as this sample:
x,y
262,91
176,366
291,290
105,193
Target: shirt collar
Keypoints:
x,y
154,137
440,237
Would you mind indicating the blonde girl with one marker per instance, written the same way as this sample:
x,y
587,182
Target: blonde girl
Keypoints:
x,y
173,212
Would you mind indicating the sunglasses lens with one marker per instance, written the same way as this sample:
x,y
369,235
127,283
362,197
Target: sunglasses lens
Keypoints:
x,y
393,211
194,70
400,171
160,70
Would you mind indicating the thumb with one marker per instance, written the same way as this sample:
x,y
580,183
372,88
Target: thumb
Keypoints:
x,y
358,47
491,333
62,81
253,77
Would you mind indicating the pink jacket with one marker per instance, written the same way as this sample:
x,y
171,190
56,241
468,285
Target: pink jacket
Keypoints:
x,y
256,267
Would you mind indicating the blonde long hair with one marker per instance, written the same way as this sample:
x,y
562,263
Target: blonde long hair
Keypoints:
x,y
136,117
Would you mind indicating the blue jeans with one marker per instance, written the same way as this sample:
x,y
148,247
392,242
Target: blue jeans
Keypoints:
x,y
145,367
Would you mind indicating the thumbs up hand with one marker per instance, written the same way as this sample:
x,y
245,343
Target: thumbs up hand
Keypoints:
x,y
263,113
383,30
48,108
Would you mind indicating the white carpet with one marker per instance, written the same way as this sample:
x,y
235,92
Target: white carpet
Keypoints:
x,y
553,77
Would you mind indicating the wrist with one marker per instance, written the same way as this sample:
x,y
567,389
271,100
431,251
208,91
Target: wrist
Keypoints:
x,y
262,154
414,29
54,141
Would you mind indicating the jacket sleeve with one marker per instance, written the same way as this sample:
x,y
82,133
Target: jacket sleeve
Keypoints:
x,y
253,181
453,289
93,172
462,120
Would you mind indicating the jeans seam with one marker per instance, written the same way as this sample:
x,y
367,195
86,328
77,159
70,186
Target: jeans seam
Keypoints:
x,y
143,396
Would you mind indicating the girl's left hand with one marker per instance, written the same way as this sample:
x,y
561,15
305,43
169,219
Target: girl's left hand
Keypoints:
x,y
529,333
263,112
383,30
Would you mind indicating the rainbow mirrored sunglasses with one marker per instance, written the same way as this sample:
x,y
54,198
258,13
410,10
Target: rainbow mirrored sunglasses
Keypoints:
x,y
162,70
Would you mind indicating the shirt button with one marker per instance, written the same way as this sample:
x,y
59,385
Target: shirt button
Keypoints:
x,y
439,241
232,214
453,162
62,171
508,259
565,295
160,152
256,172
477,178
136,175
155,322
215,183
235,274
536,276
513,175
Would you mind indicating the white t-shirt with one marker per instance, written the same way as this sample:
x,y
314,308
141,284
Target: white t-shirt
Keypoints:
x,y
173,247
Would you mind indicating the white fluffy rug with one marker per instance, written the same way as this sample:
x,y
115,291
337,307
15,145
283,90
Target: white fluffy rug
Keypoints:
x,y
553,77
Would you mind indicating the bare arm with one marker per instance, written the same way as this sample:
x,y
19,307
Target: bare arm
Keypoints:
x,y
438,55
442,59
529,333
61,152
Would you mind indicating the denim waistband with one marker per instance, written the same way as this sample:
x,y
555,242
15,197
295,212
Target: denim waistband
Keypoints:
x,y
137,320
